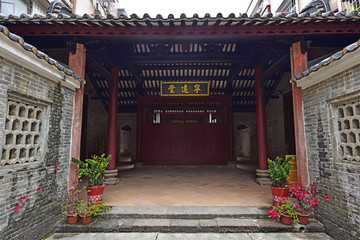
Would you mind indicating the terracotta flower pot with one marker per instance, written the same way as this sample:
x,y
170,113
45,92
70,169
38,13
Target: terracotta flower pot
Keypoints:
x,y
86,219
285,219
304,218
278,193
71,219
95,194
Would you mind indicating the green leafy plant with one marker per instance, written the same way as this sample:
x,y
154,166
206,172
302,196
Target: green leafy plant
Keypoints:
x,y
285,207
72,201
279,171
93,168
85,208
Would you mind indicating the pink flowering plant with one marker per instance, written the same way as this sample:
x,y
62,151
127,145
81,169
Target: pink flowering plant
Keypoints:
x,y
305,197
287,206
21,202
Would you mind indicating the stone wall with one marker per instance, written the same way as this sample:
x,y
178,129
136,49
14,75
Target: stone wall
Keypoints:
x,y
275,121
35,137
332,113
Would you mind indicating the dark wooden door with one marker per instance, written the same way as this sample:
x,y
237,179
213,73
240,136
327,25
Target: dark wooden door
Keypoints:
x,y
185,131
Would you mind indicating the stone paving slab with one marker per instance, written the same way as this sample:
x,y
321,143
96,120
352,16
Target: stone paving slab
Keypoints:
x,y
190,236
292,236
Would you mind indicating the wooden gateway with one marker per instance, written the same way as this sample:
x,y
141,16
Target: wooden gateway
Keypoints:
x,y
185,130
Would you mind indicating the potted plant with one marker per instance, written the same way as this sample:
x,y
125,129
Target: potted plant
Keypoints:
x,y
285,211
71,205
87,210
279,172
305,198
94,169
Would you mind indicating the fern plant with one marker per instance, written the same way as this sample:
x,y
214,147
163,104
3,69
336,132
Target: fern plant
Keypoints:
x,y
93,168
279,171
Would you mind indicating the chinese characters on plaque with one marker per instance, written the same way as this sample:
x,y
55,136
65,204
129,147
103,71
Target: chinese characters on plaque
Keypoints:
x,y
184,88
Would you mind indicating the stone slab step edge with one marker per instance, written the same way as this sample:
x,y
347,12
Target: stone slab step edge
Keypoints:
x,y
186,212
187,226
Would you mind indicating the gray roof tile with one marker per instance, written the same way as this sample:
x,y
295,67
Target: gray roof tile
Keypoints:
x,y
28,47
336,56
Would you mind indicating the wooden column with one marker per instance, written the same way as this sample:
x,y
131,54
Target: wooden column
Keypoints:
x,y
112,119
298,65
77,64
260,120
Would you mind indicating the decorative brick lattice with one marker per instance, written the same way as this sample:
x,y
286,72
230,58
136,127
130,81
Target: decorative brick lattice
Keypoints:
x,y
348,122
22,133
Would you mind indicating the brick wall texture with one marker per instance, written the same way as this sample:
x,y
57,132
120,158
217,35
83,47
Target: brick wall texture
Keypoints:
x,y
42,208
338,178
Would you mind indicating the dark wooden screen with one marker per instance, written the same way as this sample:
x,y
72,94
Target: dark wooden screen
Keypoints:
x,y
185,131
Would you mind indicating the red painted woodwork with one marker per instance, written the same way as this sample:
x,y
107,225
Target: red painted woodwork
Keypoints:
x,y
177,130
112,119
260,120
77,64
260,29
298,65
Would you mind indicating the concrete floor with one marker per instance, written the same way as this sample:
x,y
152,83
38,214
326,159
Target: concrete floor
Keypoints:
x,y
187,186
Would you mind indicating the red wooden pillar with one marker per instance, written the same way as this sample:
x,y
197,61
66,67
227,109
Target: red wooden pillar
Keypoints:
x,y
77,64
299,64
260,120
112,119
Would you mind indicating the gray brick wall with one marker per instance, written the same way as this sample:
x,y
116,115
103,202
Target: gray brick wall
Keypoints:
x,y
42,208
335,177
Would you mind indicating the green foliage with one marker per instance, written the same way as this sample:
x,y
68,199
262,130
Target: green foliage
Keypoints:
x,y
279,171
287,207
85,208
93,168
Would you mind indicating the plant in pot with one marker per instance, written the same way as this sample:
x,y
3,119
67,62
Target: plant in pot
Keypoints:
x,y
279,172
285,211
94,169
87,210
71,205
306,198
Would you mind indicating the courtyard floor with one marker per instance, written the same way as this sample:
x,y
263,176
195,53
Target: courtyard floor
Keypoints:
x,y
188,186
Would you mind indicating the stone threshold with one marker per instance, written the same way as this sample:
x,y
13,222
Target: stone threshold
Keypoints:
x,y
186,212
187,220
224,225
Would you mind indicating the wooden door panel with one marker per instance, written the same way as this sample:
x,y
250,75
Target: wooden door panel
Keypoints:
x,y
184,131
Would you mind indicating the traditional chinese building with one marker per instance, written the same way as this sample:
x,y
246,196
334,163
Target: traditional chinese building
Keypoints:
x,y
190,90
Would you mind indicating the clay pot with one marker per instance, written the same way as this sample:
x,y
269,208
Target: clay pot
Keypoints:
x,y
278,193
86,219
71,219
304,218
285,219
95,194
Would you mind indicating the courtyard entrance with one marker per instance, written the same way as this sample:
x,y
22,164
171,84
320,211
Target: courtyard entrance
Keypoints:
x,y
188,186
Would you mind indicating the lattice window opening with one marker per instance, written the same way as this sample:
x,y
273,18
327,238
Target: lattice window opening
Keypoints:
x,y
348,122
22,132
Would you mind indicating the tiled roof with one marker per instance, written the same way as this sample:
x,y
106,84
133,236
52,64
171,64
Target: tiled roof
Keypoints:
x,y
39,54
326,62
170,20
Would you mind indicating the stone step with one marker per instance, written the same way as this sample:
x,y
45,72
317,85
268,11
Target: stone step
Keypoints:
x,y
125,166
186,212
125,159
216,225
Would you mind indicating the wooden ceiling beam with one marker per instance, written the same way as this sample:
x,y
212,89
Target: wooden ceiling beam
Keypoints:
x,y
280,64
99,69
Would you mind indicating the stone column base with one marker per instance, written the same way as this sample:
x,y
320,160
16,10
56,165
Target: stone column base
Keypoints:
x,y
110,177
263,177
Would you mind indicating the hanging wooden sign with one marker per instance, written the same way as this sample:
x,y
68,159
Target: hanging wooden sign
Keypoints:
x,y
184,88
